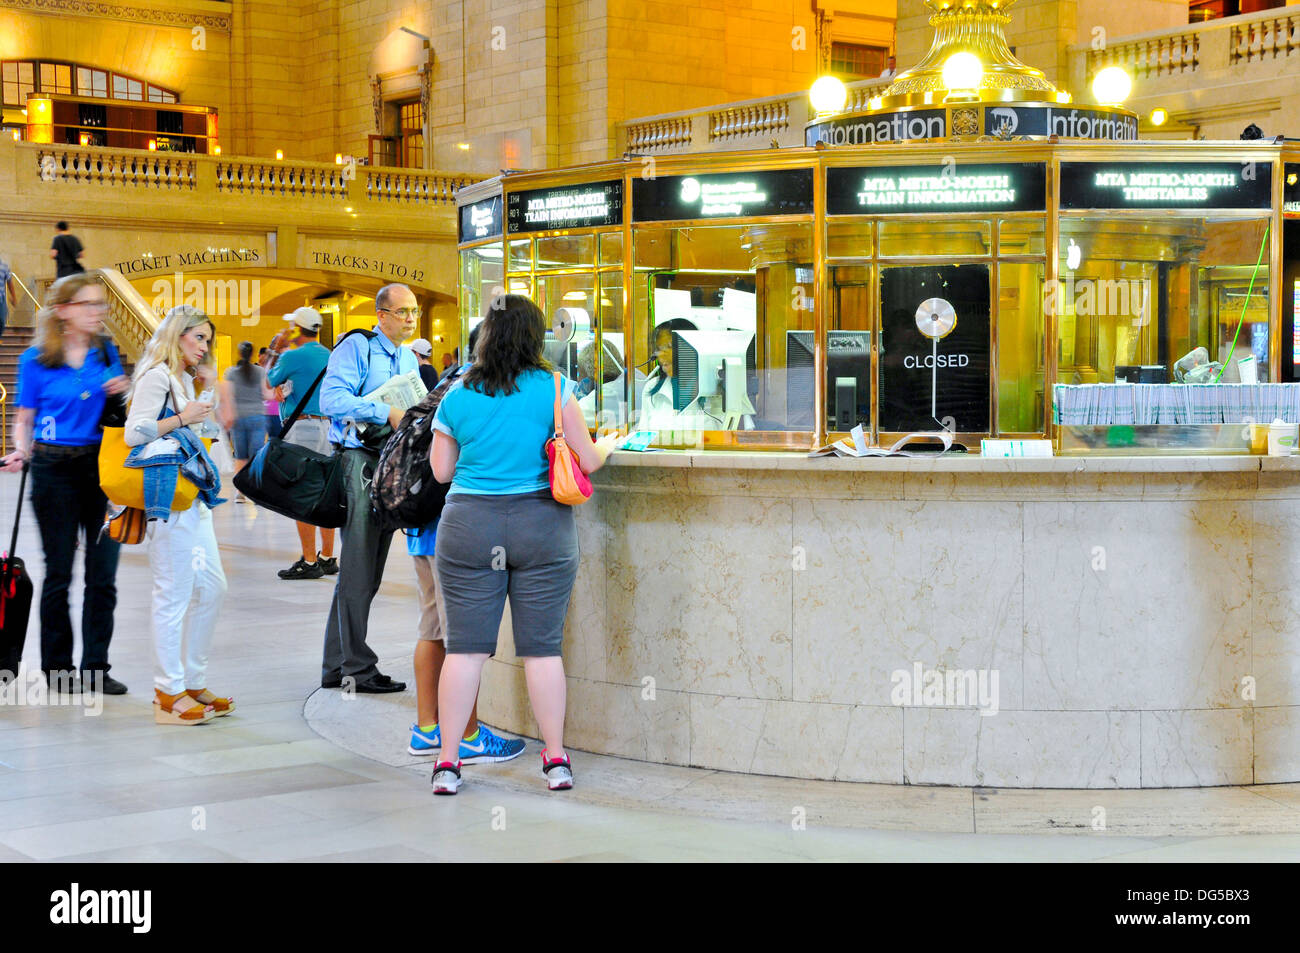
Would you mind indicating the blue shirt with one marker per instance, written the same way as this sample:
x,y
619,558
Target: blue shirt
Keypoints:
x,y
301,365
68,403
357,366
503,438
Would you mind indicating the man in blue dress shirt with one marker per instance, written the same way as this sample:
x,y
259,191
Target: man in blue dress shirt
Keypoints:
x,y
357,366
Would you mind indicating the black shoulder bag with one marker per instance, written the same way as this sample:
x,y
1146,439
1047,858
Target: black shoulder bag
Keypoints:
x,y
114,413
294,481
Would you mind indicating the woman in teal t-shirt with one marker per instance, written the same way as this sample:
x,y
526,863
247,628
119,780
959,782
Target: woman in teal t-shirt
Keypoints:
x,y
501,531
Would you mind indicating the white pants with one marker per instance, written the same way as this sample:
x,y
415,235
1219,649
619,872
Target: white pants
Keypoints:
x,y
188,586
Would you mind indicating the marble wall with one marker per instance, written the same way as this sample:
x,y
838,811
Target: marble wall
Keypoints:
x,y
1103,624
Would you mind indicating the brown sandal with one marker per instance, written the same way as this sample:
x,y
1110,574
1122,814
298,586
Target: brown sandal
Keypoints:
x,y
221,706
180,709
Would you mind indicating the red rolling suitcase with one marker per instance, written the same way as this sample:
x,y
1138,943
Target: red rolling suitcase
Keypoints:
x,y
15,598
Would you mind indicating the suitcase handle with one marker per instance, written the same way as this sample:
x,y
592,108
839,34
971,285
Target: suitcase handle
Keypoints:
x,y
22,488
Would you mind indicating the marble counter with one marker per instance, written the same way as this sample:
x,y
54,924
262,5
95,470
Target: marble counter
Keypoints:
x,y
1064,623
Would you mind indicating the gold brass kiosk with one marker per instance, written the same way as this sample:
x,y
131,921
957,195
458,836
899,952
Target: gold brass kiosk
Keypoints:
x,y
950,618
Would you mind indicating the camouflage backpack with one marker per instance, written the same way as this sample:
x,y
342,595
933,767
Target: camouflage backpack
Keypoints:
x,y
404,493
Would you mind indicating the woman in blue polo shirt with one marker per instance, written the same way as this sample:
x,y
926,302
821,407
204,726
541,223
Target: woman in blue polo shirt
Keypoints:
x,y
63,382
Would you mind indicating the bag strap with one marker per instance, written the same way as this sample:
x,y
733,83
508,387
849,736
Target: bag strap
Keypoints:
x,y
22,485
297,411
559,425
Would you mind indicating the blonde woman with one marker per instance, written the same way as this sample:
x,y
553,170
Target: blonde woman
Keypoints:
x,y
63,382
188,581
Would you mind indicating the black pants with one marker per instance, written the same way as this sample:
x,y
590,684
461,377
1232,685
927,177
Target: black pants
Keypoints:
x,y
67,499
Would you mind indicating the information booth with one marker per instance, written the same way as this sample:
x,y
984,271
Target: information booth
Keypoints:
x,y
708,294
981,263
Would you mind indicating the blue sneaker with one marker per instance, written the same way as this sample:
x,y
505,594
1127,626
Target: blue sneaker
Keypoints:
x,y
425,744
488,748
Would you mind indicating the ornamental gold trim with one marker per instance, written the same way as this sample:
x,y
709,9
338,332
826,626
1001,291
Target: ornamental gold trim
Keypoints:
x,y
119,11
971,26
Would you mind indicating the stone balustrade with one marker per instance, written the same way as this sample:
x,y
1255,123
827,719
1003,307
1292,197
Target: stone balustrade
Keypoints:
x,y
1213,78
239,177
755,124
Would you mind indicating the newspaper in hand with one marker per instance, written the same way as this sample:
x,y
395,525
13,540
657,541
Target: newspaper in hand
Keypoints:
x,y
403,392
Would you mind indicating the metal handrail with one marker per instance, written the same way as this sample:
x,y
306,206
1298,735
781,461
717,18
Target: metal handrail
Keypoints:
x,y
25,290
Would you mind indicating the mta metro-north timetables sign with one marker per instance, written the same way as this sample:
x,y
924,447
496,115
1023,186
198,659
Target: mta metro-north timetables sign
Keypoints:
x,y
1177,185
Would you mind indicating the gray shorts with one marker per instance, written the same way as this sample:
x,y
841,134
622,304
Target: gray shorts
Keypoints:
x,y
524,546
312,433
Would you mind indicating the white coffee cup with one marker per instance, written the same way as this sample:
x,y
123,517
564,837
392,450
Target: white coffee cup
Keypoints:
x,y
1282,438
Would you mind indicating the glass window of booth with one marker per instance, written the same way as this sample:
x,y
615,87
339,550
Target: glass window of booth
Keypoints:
x,y
481,272
722,325
1137,295
983,371
577,282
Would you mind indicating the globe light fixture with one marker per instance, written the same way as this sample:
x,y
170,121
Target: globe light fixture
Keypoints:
x,y
1159,116
828,95
1111,86
962,71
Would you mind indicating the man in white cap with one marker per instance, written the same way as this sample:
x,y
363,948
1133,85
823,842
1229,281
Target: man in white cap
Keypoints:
x,y
424,354
300,367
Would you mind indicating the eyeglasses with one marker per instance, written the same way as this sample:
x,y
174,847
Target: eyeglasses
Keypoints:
x,y
97,305
403,312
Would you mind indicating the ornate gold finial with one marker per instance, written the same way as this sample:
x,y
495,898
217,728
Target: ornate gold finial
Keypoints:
x,y
972,26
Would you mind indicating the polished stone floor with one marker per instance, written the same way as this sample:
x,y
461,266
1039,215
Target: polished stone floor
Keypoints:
x,y
301,774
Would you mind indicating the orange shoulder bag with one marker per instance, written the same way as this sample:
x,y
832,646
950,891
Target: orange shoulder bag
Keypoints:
x,y
568,483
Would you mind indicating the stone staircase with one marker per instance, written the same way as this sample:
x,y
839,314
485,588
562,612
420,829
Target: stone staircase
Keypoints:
x,y
12,344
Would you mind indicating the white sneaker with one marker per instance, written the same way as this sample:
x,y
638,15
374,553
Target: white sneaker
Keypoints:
x,y
559,772
446,777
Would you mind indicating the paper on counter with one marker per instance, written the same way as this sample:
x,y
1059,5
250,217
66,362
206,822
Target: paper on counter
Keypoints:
x,y
858,447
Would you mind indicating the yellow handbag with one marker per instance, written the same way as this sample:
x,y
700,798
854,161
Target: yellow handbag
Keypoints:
x,y
123,485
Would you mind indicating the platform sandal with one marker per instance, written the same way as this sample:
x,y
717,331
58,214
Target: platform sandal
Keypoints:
x,y
180,709
222,706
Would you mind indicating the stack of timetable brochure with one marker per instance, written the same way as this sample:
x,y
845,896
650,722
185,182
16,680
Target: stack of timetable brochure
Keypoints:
x,y
1142,404
856,445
